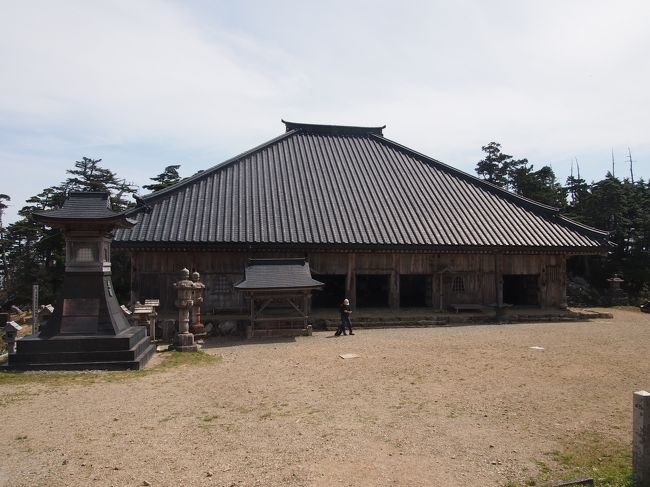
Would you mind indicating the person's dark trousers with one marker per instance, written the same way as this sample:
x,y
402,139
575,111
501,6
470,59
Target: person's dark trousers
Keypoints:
x,y
345,320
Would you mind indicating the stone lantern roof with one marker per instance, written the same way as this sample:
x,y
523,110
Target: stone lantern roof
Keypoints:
x,y
85,207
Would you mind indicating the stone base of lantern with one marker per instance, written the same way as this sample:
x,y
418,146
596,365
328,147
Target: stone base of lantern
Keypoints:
x,y
130,349
184,342
198,330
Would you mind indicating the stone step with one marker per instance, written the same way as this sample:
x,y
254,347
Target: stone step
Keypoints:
x,y
80,343
80,357
84,355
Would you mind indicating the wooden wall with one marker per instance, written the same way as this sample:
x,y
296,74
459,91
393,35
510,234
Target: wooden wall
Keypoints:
x,y
454,278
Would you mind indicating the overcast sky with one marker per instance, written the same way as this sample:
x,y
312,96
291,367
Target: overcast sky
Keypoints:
x,y
145,84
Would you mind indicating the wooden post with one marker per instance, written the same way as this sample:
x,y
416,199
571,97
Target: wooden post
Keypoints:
x,y
563,283
498,283
393,290
498,278
251,326
351,281
133,297
435,285
641,439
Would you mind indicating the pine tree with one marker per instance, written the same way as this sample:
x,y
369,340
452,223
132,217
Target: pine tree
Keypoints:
x,y
165,179
3,242
519,177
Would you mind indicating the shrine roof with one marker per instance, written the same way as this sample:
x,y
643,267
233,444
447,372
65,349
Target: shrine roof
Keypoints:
x,y
278,274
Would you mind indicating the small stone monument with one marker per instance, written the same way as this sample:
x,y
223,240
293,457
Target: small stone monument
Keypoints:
x,y
197,327
44,315
11,331
184,341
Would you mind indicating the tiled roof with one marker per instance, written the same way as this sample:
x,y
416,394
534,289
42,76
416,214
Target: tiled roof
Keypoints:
x,y
278,274
84,206
348,186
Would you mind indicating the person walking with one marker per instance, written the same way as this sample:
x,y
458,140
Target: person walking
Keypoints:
x,y
345,311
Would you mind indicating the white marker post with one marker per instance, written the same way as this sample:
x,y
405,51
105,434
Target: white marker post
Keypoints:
x,y
35,309
641,439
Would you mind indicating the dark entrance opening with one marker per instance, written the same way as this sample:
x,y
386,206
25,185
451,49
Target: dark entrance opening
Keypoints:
x,y
332,294
520,289
372,290
413,291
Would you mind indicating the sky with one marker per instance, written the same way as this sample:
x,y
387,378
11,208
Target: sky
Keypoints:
x,y
146,84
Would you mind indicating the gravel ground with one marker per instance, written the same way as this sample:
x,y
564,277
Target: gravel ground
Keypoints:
x,y
456,406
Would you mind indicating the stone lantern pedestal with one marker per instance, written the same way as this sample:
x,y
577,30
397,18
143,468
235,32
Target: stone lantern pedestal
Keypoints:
x,y
87,329
197,327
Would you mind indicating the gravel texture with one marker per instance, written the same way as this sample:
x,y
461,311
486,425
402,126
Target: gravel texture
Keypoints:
x,y
453,406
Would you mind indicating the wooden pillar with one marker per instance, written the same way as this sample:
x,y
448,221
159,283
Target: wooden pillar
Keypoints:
x,y
305,306
543,284
498,279
393,290
434,280
133,293
441,291
563,282
351,281
250,329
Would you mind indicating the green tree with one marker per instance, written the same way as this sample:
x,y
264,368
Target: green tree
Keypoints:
x,y
165,179
496,166
619,207
578,189
88,175
3,243
541,186
520,177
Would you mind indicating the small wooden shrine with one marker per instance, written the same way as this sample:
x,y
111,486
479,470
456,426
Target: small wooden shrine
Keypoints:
x,y
279,293
87,329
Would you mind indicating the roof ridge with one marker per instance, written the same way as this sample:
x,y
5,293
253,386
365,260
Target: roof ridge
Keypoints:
x,y
327,129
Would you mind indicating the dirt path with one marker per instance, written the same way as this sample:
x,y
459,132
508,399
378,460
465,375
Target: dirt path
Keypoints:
x,y
464,406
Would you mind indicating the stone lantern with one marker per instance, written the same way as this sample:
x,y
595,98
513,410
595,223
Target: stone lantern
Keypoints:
x,y
616,295
197,327
184,341
11,331
87,329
